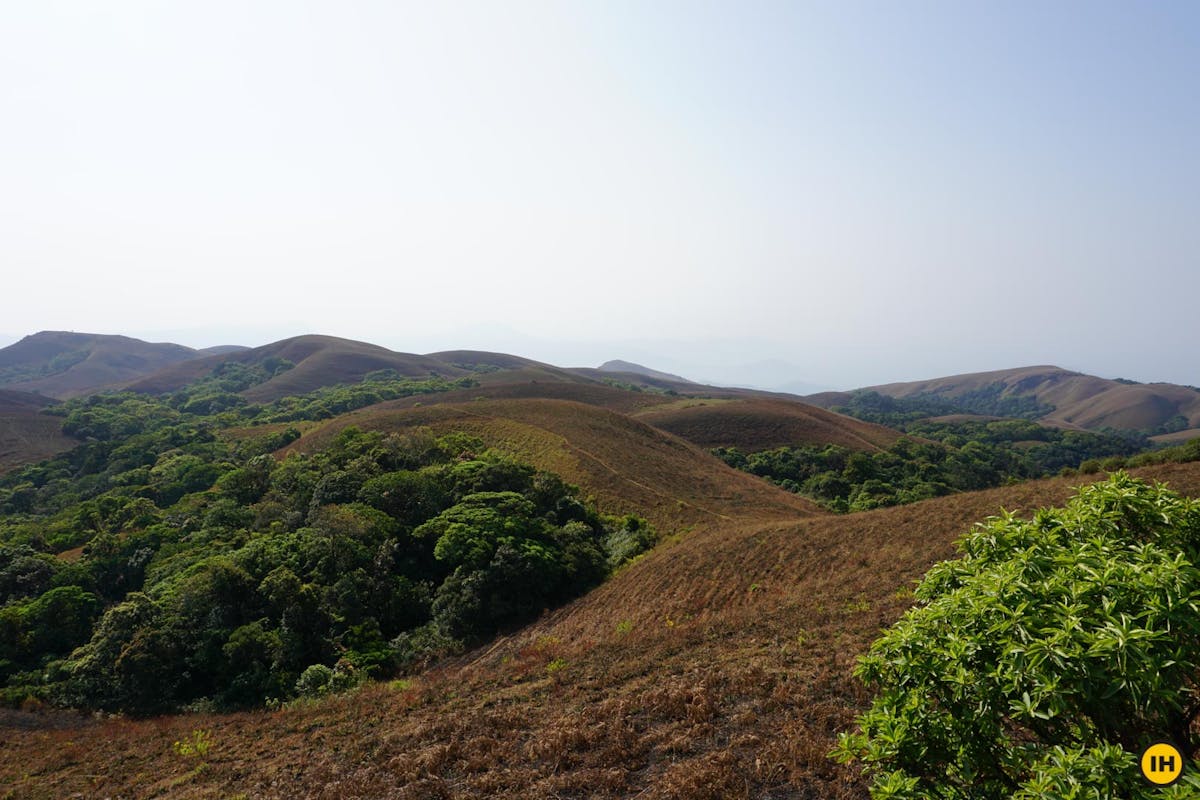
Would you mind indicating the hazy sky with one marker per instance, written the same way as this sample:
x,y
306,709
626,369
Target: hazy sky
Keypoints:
x,y
866,192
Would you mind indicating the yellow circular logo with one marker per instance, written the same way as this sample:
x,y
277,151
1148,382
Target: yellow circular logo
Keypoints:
x,y
1162,763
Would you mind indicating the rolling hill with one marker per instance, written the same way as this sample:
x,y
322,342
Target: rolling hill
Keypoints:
x,y
318,361
704,415
761,424
1072,399
744,418
64,364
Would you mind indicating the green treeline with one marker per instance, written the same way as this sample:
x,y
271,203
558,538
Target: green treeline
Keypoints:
x,y
896,411
934,459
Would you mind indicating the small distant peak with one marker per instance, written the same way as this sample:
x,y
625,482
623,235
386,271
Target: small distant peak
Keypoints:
x,y
617,365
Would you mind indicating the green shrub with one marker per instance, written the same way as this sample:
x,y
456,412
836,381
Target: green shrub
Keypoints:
x,y
1043,661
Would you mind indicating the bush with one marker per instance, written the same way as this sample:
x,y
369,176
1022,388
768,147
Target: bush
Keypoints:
x,y
314,681
1042,661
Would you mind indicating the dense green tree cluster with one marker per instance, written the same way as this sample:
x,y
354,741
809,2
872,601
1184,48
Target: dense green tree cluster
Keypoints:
x,y
224,582
934,460
897,411
1044,660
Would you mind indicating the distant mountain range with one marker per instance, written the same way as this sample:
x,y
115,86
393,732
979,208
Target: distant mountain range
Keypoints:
x,y
61,365
1064,398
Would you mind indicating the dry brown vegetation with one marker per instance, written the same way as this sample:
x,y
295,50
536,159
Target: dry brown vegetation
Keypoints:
x,y
26,434
717,666
763,424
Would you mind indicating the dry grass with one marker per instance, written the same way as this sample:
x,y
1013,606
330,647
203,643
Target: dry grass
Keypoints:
x,y
762,424
718,666
27,437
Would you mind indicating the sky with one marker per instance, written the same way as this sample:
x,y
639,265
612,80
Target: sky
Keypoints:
x,y
821,194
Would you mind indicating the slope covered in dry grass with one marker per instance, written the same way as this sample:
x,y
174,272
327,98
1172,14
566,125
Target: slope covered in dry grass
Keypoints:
x,y
26,434
762,424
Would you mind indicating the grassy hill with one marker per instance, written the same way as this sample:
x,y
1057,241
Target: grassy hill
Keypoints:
x,y
1068,399
26,434
65,364
716,666
760,424
317,361
703,415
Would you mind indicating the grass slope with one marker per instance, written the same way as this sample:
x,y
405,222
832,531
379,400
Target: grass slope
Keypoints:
x,y
707,416
762,424
718,666
66,364
26,434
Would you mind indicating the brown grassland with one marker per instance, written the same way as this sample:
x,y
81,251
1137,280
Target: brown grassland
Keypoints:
x,y
26,434
716,666
762,424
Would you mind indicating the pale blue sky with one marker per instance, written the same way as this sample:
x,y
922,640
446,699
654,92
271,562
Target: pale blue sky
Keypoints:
x,y
865,192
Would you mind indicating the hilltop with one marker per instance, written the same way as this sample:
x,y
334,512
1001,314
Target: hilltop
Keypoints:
x,y
1056,397
764,423
65,364
630,368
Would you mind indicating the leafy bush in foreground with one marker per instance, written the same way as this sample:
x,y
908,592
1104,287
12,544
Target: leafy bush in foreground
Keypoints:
x,y
1043,661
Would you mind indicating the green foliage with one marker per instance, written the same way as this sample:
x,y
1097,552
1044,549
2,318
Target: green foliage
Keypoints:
x,y
992,400
1042,661
195,746
1189,451
935,459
